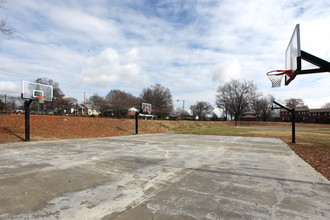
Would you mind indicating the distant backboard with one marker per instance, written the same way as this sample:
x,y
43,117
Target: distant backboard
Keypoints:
x,y
293,55
146,108
31,90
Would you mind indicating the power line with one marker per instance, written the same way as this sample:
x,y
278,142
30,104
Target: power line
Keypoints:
x,y
15,73
6,91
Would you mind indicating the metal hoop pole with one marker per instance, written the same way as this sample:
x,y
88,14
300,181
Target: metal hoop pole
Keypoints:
x,y
27,104
293,119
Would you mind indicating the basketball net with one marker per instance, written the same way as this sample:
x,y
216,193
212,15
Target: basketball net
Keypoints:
x,y
41,99
276,77
147,110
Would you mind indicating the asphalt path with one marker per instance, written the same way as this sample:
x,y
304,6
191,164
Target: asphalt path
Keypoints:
x,y
160,176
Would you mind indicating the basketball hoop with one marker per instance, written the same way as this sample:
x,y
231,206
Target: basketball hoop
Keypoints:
x,y
146,110
41,99
276,77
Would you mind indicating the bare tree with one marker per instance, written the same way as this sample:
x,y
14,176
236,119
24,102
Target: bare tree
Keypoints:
x,y
260,107
295,103
201,109
58,102
120,101
226,109
180,113
160,98
4,29
234,97
98,102
11,104
69,103
326,105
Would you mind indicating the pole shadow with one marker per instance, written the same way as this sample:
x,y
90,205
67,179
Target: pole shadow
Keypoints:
x,y
10,132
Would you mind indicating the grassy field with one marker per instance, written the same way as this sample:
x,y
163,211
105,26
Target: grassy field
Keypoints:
x,y
312,140
309,135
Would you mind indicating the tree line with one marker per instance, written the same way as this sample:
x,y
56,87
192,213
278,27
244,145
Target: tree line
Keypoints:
x,y
233,98
117,102
114,104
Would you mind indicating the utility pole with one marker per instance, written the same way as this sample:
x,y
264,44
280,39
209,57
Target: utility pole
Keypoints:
x,y
5,103
182,104
84,103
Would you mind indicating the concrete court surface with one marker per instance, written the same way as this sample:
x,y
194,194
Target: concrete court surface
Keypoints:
x,y
159,176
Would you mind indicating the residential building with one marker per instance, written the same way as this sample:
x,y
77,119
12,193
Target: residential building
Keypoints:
x,y
306,115
131,112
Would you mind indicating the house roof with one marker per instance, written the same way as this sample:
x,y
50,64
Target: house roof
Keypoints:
x,y
297,109
249,116
249,113
320,110
310,110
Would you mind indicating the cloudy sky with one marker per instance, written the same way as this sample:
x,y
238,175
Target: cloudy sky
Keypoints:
x,y
190,47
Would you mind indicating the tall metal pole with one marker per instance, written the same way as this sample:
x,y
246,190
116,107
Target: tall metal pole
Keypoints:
x,y
5,103
84,103
136,122
182,104
27,104
293,113
293,119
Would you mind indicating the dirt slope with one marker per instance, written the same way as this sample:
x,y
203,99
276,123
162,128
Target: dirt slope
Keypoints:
x,y
12,127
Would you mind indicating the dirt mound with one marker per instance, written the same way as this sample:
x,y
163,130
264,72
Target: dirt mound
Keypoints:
x,y
49,127
12,127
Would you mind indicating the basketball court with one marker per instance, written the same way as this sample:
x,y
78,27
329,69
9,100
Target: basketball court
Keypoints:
x,y
160,176
163,176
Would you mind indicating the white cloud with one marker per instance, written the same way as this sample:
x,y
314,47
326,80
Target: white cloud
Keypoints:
x,y
8,86
226,72
110,67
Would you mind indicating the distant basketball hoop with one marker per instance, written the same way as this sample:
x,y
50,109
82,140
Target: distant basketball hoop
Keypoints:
x,y
146,108
30,92
41,99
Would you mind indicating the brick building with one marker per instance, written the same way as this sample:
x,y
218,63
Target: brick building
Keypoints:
x,y
319,115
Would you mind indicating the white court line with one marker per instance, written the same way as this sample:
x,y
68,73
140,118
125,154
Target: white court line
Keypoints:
x,y
166,155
